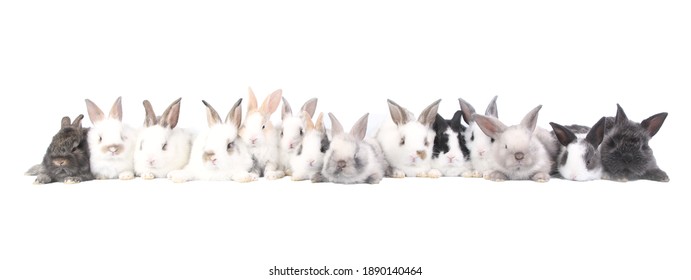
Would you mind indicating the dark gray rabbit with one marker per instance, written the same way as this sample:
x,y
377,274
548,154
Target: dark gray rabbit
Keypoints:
x,y
625,151
67,157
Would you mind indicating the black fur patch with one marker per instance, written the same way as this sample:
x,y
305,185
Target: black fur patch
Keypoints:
x,y
441,139
564,158
325,144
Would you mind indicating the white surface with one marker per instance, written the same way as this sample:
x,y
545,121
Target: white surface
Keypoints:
x,y
578,59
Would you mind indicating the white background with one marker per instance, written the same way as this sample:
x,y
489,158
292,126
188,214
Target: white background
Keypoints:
x,y
577,58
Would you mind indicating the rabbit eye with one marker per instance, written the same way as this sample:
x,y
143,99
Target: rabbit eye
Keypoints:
x,y
100,139
506,147
231,145
165,146
281,133
74,149
426,143
263,126
402,141
611,143
301,131
491,140
472,136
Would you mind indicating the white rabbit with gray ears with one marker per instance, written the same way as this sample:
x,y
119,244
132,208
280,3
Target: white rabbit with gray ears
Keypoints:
x,y
407,143
111,143
218,154
521,151
292,131
261,137
479,144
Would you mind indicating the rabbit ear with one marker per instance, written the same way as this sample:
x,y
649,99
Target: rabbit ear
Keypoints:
x,y
235,114
309,125
95,113
116,110
654,123
212,116
467,110
597,133
170,116
310,106
492,108
398,113
150,118
530,120
77,123
621,116
360,128
564,135
286,111
320,123
65,122
429,114
336,127
271,103
490,125
252,102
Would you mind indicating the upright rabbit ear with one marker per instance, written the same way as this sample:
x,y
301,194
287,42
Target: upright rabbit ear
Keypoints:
x,y
467,110
398,113
310,106
320,123
77,123
360,128
457,119
286,112
492,108
212,116
654,123
621,116
564,135
150,117
235,114
309,125
271,103
170,116
116,110
95,113
530,120
596,133
491,126
65,122
252,102
429,114
336,127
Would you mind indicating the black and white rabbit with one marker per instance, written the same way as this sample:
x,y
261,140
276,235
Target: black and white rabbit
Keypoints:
x,y
67,157
626,154
479,144
579,156
450,154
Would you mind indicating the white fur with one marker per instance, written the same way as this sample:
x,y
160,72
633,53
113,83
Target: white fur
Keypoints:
x,y
575,168
108,163
519,139
344,146
310,161
480,146
291,139
452,163
405,158
150,161
262,145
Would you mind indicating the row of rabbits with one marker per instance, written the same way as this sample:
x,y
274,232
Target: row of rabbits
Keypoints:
x,y
429,146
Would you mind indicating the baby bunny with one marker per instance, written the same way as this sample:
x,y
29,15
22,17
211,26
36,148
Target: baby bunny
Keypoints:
x,y
350,159
521,152
625,151
579,157
218,153
111,143
450,154
479,144
261,137
407,143
67,157
292,131
309,155
161,147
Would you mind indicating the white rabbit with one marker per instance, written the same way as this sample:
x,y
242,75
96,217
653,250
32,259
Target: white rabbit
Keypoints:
x,y
579,157
478,143
261,137
292,131
407,143
161,147
218,153
350,159
309,156
111,143
450,155
521,151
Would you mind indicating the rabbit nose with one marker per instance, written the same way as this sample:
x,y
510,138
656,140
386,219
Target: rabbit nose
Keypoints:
x,y
151,162
253,140
312,163
518,156
481,152
422,154
341,164
210,156
59,162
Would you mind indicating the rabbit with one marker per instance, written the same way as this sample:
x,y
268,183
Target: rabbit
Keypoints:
x,y
292,131
161,147
218,153
111,143
449,154
407,143
67,157
521,151
579,157
261,137
309,155
479,144
625,151
350,158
